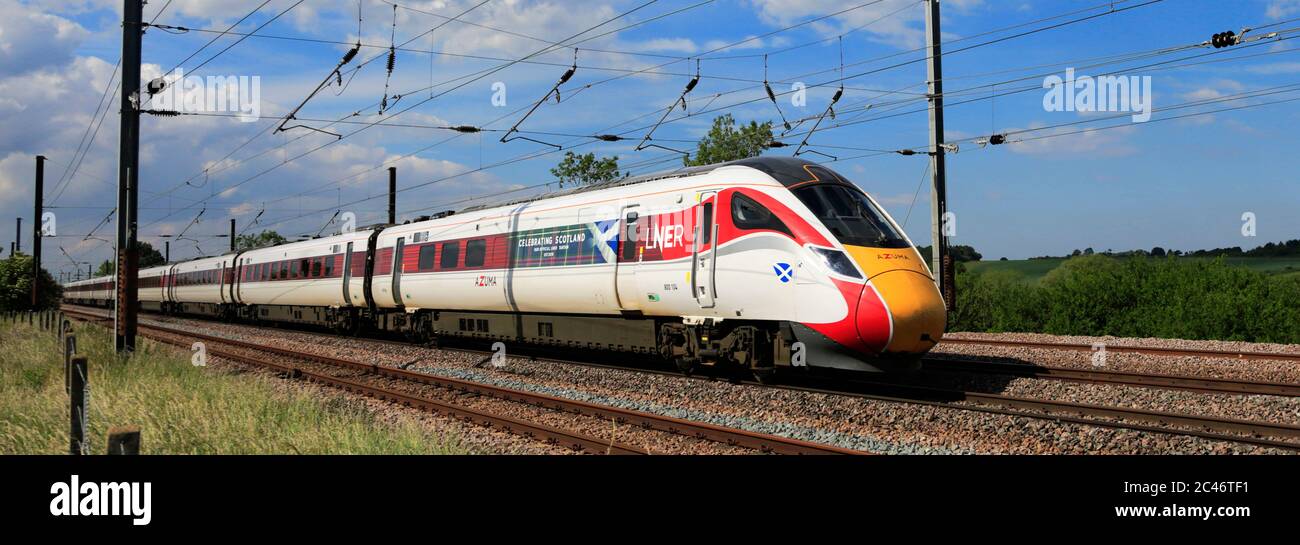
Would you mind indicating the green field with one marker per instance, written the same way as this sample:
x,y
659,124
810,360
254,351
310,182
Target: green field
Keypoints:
x,y
1034,270
183,409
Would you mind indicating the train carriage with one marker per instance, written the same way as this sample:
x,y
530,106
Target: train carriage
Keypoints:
x,y
201,286
152,288
759,263
320,281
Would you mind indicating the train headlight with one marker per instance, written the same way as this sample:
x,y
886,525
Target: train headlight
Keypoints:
x,y
838,262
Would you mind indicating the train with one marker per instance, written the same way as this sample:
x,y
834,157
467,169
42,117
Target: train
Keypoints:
x,y
758,264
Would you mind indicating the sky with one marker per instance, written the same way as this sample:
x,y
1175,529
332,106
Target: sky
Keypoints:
x,y
1188,178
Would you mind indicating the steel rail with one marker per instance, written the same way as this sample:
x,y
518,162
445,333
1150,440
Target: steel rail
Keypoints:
x,y
1149,350
549,434
1206,427
965,364
701,430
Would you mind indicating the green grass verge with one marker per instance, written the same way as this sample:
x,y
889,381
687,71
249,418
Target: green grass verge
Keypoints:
x,y
183,409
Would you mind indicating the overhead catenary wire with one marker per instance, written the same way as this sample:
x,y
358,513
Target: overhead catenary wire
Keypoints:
x,y
480,76
555,90
990,32
1129,70
525,158
78,156
613,138
363,63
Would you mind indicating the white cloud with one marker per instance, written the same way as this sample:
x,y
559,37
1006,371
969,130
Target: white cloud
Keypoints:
x,y
1064,145
30,39
1275,68
879,21
1278,9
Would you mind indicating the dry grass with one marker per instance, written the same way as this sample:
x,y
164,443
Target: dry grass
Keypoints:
x,y
182,409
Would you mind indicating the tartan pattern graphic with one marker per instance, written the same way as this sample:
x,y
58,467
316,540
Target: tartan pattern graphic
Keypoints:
x,y
565,245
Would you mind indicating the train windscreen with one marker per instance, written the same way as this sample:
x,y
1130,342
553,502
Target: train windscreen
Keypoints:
x,y
850,216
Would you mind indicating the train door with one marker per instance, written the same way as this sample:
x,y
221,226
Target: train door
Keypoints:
x,y
347,276
625,286
221,283
397,270
237,288
704,263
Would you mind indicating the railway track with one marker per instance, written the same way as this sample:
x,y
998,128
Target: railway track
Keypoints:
x,y
1205,427
1148,350
743,438
1257,433
963,364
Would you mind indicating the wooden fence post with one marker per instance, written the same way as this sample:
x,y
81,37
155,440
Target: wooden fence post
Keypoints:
x,y
78,397
124,440
69,349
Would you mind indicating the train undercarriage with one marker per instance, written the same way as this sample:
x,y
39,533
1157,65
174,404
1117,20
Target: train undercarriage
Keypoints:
x,y
688,343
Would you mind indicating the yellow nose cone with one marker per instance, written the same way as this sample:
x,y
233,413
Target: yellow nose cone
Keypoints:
x,y
916,308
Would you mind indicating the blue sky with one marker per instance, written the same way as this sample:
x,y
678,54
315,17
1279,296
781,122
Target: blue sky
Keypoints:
x,y
1177,184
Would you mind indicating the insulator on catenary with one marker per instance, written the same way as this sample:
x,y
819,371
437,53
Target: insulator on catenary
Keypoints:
x,y
351,54
1224,39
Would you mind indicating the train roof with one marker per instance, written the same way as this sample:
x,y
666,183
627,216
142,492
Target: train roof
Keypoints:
x,y
787,170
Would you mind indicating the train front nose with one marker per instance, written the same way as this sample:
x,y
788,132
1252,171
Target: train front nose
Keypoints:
x,y
901,310
915,312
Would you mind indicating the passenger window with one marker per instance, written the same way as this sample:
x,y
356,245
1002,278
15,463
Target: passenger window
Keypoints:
x,y
316,266
747,213
304,267
450,255
284,270
475,252
427,254
329,266
707,236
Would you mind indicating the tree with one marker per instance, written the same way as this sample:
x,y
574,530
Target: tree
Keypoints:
x,y
725,143
260,240
16,285
1157,252
581,170
960,253
149,256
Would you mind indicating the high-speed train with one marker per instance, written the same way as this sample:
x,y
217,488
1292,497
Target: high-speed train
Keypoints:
x,y
759,263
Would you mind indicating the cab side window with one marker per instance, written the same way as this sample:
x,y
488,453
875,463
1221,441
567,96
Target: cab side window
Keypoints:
x,y
746,213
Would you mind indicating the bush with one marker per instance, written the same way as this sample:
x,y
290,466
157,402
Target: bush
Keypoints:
x,y
1135,297
16,285
995,301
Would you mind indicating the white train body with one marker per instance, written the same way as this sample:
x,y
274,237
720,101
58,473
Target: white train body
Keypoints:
x,y
761,259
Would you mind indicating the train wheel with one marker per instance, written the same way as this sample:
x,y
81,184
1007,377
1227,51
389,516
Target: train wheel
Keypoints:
x,y
685,366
